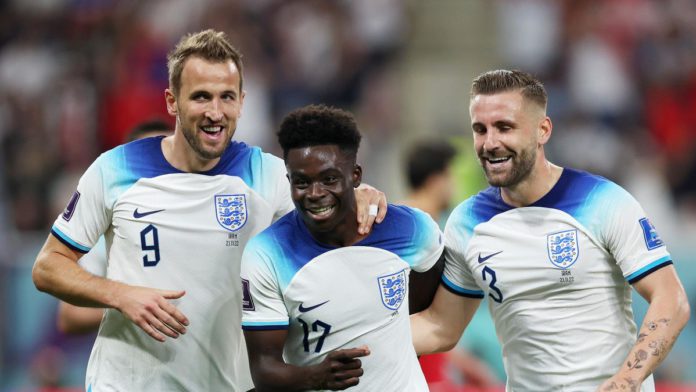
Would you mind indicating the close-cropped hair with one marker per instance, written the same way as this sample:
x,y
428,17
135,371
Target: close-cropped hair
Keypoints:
x,y
502,80
317,125
426,159
209,45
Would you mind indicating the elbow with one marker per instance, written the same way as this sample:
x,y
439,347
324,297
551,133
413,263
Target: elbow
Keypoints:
x,y
449,343
684,312
38,276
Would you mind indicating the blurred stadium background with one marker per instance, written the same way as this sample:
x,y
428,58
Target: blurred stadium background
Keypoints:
x,y
76,75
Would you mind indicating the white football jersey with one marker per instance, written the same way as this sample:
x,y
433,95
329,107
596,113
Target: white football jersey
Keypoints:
x,y
172,230
336,298
557,274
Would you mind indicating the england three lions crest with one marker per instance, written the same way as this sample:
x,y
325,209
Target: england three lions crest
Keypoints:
x,y
563,249
392,288
231,211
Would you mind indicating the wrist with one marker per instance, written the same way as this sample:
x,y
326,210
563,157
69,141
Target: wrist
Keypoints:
x,y
112,294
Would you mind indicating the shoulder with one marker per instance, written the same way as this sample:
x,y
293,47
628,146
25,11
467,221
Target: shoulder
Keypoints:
x,y
578,191
400,220
138,159
278,234
258,169
477,209
401,227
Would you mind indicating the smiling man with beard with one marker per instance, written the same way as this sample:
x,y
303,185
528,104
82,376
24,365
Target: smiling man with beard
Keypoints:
x,y
176,213
556,250
318,295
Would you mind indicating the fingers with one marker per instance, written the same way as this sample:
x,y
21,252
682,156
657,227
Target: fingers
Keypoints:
x,y
149,329
372,207
345,368
169,294
165,316
162,328
151,310
382,208
173,311
349,353
343,384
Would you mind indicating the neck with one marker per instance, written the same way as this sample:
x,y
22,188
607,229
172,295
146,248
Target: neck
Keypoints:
x,y
540,181
344,234
180,155
426,202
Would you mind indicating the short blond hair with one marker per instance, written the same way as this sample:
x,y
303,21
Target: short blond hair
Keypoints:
x,y
209,45
502,80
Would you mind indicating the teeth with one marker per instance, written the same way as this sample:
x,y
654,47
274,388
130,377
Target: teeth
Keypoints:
x,y
319,210
212,129
497,160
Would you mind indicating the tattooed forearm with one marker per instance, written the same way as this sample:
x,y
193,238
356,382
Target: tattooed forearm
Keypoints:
x,y
640,356
627,384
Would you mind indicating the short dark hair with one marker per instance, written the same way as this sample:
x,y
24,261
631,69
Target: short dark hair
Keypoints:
x,y
501,80
147,127
209,45
316,125
426,159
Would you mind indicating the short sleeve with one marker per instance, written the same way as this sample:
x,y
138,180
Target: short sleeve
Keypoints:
x,y
457,276
427,240
631,238
95,260
87,215
263,307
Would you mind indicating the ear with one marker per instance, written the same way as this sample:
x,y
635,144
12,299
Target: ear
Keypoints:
x,y
170,99
241,103
544,131
357,175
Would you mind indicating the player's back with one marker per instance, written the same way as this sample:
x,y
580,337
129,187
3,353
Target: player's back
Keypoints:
x,y
339,298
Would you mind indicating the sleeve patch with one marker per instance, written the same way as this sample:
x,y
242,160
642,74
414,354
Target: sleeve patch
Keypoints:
x,y
652,239
247,301
70,209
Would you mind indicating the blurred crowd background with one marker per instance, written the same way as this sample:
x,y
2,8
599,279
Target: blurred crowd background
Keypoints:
x,y
77,75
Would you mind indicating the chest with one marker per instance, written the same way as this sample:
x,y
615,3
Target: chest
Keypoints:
x,y
345,294
524,257
173,221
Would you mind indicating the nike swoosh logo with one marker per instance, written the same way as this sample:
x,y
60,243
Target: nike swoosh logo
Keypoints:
x,y
307,309
482,259
138,215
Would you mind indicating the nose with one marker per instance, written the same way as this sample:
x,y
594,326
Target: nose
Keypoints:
x,y
214,111
491,141
315,191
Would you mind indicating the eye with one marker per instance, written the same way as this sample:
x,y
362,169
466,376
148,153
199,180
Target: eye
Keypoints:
x,y
300,183
229,97
330,180
479,130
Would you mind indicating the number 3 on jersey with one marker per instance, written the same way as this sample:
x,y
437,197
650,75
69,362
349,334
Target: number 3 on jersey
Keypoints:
x,y
149,243
498,297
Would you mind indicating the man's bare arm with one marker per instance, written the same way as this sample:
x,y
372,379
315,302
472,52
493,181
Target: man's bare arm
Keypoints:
x,y
440,327
56,272
340,369
666,317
